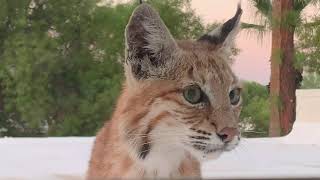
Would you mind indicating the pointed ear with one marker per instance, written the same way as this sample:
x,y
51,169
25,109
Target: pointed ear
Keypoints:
x,y
149,44
224,35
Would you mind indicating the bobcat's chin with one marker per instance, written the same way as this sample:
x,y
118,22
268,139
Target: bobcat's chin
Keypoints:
x,y
214,150
232,144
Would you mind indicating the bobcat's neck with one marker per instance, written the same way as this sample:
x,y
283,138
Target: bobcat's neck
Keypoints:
x,y
163,161
117,154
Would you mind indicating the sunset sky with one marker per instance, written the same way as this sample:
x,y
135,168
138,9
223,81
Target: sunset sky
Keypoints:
x,y
253,61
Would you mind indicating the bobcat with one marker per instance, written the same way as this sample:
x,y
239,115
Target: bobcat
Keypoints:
x,y
180,103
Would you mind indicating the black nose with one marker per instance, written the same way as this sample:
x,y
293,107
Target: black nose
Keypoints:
x,y
223,137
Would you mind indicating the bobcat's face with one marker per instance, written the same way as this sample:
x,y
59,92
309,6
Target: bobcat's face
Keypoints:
x,y
184,96
209,103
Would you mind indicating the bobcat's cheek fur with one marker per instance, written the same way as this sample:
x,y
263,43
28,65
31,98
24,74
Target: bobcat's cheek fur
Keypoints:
x,y
154,131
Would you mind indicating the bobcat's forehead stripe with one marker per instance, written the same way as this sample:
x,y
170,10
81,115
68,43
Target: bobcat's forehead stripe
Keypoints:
x,y
218,71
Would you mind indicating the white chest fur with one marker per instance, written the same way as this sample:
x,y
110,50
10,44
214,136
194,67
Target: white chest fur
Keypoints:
x,y
163,161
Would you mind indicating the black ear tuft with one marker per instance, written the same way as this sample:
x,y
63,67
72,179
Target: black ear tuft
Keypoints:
x,y
219,35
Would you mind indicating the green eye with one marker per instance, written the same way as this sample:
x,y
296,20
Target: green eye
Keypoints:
x,y
234,96
193,94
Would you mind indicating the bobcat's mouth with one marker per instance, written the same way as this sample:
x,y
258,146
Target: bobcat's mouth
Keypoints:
x,y
225,147
205,145
209,148
213,150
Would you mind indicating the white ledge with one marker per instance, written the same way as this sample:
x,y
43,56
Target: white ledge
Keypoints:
x,y
294,156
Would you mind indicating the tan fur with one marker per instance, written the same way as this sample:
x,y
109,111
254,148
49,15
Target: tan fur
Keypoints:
x,y
152,114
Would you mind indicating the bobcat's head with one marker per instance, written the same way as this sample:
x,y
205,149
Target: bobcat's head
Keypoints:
x,y
181,95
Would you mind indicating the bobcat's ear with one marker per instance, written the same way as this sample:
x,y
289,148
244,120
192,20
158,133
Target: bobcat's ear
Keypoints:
x,y
224,35
149,44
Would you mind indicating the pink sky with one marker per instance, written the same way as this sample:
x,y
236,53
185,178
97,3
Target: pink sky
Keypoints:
x,y
253,61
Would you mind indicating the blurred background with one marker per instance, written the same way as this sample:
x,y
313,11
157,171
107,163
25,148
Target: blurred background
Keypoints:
x,y
60,70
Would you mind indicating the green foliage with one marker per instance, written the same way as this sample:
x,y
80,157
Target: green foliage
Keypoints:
x,y
263,6
291,20
311,81
299,59
308,46
60,74
263,12
254,118
307,54
299,5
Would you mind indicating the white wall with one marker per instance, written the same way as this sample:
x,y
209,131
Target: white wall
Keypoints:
x,y
308,106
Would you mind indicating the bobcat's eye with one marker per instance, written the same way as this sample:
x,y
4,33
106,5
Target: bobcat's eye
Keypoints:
x,y
193,94
234,96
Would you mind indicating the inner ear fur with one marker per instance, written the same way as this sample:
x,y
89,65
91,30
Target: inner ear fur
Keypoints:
x,y
149,44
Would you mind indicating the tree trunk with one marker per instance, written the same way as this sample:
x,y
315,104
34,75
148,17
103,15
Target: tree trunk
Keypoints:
x,y
283,73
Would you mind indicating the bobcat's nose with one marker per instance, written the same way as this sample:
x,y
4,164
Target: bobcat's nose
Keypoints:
x,y
227,134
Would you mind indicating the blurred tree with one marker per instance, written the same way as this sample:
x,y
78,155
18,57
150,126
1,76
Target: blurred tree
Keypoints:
x,y
282,17
255,114
311,81
59,69
308,45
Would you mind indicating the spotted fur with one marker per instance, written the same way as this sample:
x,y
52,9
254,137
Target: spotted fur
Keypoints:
x,y
154,131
